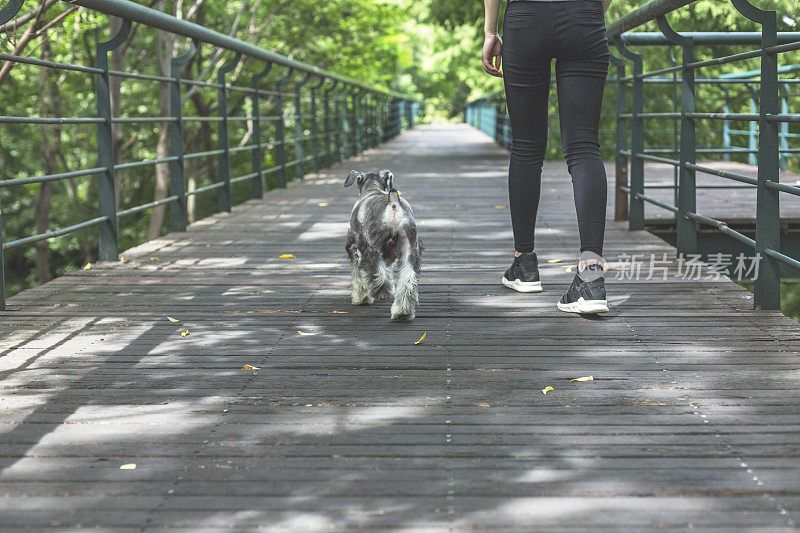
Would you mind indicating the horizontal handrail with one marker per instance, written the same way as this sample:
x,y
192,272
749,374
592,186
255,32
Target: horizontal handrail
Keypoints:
x,y
643,14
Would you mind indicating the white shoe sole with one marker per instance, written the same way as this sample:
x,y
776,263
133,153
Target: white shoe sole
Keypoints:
x,y
523,286
584,306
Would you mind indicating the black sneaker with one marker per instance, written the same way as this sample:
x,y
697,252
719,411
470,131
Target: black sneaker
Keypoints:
x,y
585,296
523,275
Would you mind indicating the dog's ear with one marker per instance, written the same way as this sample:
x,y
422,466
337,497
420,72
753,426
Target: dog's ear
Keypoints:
x,y
352,177
387,177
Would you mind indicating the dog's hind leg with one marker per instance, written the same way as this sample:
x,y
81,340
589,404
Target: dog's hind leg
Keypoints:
x,y
383,284
360,291
406,295
359,287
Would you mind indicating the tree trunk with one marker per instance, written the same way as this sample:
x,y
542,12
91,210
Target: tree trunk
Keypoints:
x,y
115,86
166,47
49,105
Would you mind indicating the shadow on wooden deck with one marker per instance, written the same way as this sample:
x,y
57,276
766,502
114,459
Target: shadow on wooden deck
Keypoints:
x,y
691,419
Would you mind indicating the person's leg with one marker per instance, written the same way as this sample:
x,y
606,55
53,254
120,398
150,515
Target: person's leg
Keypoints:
x,y
527,48
581,68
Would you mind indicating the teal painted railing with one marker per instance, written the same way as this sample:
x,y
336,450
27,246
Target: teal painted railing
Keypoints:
x,y
313,118
769,144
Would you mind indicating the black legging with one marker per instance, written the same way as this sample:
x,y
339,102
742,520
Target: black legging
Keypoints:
x,y
574,33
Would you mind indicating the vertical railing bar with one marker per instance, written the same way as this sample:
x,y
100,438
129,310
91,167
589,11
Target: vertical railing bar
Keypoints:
x,y
687,192
108,243
178,213
726,124
767,284
299,149
783,136
257,155
340,121
620,160
636,204
675,127
752,127
354,100
224,160
314,125
280,134
327,122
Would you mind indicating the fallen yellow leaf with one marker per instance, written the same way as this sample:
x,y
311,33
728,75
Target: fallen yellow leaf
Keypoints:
x,y
421,338
286,256
323,204
339,312
568,269
499,207
88,266
172,319
547,389
154,259
584,378
250,367
122,259
304,333
554,260
185,333
129,466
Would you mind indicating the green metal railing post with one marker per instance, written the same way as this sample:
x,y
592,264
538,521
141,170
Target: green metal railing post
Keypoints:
x,y
726,124
10,10
784,127
351,126
315,126
370,119
108,244
358,121
752,128
224,159
687,192
299,149
257,155
409,114
620,159
327,122
341,120
280,134
675,128
636,203
766,290
178,214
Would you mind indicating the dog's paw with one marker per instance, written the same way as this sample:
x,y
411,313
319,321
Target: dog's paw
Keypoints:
x,y
402,313
403,317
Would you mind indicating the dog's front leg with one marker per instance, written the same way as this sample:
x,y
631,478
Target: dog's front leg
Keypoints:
x,y
406,295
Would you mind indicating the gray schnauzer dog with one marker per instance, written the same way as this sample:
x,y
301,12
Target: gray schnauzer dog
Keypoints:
x,y
383,235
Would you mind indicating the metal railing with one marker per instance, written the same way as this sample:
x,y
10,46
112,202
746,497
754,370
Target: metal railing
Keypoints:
x,y
315,118
769,144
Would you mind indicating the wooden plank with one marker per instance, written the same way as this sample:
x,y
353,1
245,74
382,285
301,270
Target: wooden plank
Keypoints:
x,y
691,419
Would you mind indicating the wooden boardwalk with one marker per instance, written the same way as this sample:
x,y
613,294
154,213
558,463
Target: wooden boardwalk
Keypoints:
x,y
692,419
